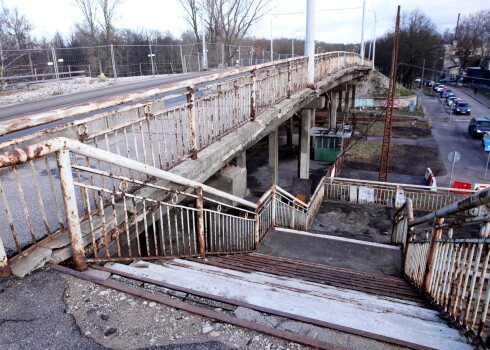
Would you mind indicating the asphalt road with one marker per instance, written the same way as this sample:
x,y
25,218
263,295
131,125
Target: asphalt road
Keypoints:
x,y
451,134
23,109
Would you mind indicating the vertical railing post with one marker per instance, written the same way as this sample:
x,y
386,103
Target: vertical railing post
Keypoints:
x,y
201,245
430,259
257,230
290,79
5,270
253,98
192,122
273,206
71,209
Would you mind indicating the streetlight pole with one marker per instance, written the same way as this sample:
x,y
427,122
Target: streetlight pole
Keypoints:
x,y
362,31
204,50
310,39
272,43
374,39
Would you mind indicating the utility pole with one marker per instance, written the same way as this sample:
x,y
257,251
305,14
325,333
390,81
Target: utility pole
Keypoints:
x,y
204,50
374,39
362,30
310,39
272,45
422,79
385,147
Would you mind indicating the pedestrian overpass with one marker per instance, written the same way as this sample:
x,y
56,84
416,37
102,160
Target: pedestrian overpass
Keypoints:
x,y
126,183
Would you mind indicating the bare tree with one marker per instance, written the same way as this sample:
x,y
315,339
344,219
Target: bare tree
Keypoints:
x,y
15,29
226,21
108,8
88,26
472,37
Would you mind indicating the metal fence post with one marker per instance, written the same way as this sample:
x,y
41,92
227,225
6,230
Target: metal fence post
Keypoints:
x,y
257,230
222,55
253,99
71,209
201,243
430,259
290,79
114,73
182,61
56,71
192,122
273,218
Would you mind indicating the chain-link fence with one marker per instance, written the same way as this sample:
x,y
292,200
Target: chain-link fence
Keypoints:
x,y
112,61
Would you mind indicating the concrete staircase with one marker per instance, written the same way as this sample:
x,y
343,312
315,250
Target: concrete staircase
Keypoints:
x,y
344,306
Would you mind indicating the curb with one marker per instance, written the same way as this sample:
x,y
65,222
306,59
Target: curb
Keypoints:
x,y
476,98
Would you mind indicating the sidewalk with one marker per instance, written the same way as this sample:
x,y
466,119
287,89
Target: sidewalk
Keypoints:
x,y
481,99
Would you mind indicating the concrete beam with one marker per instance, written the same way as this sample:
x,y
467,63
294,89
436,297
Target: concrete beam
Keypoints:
x,y
273,157
317,103
304,159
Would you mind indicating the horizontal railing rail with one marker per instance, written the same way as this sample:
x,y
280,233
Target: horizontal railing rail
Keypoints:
x,y
425,198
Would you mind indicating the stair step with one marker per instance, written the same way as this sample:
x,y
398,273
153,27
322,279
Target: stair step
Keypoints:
x,y
322,274
401,319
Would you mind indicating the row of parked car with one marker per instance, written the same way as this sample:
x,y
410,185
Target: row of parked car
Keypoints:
x,y
458,105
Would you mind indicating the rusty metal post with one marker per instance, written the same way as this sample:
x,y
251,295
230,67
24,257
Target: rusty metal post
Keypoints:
x,y
256,230
5,270
290,79
201,245
430,259
253,98
71,210
192,122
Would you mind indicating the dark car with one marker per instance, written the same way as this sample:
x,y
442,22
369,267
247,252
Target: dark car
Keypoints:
x,y
461,107
478,126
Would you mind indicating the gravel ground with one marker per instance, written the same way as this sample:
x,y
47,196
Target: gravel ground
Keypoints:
x,y
119,321
49,310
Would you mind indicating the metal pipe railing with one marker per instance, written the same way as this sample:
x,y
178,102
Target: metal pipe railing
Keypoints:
x,y
473,201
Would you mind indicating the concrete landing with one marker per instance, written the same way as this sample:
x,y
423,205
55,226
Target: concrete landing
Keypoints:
x,y
403,320
334,251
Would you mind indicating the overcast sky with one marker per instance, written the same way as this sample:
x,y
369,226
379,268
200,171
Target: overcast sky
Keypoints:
x,y
341,25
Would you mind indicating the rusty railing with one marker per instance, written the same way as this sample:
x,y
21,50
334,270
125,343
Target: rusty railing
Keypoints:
x,y
447,254
180,119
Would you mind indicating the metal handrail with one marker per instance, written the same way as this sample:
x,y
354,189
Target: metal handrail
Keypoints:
x,y
42,118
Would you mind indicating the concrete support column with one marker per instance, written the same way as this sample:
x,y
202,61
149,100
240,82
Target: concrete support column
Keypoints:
x,y
241,160
347,99
290,132
333,109
273,157
353,103
304,159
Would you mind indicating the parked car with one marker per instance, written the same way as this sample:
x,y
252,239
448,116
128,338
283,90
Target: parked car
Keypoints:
x,y
439,88
478,126
450,100
461,107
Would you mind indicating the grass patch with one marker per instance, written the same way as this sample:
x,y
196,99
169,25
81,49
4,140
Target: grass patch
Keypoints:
x,y
405,111
401,128
404,159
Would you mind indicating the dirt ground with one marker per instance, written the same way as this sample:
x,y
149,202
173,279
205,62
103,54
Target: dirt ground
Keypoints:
x,y
366,222
406,156
404,159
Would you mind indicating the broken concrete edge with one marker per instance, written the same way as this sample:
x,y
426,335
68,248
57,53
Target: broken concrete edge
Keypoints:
x,y
210,160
